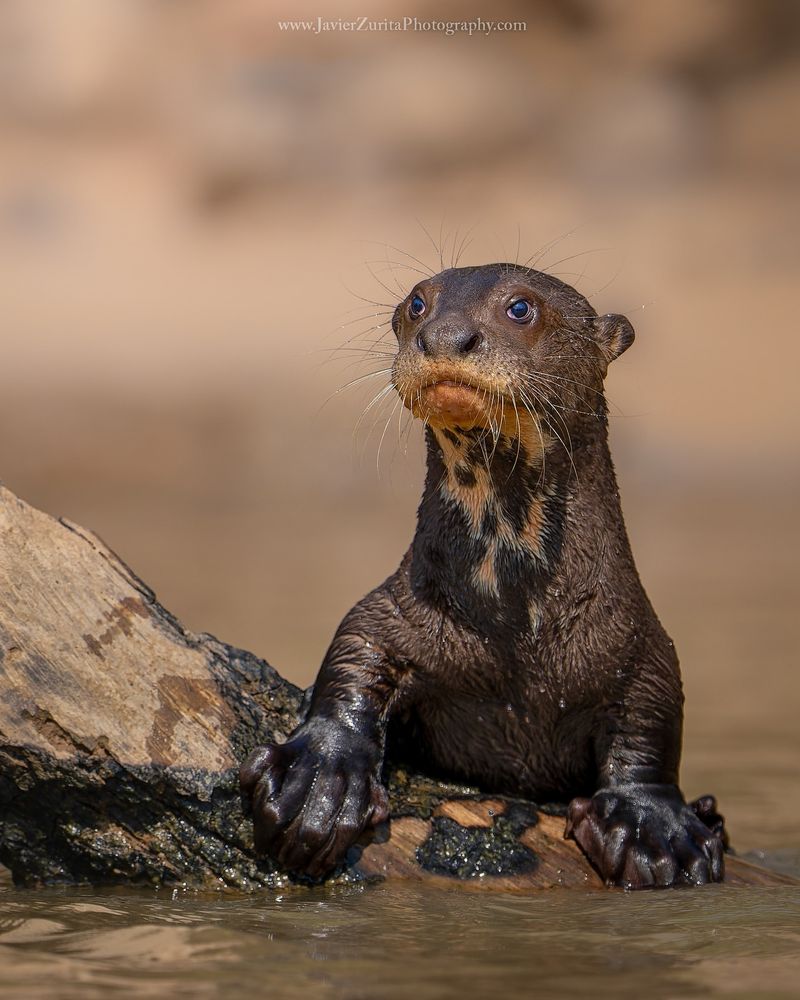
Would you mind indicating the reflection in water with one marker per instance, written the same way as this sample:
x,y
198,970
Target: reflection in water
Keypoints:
x,y
398,941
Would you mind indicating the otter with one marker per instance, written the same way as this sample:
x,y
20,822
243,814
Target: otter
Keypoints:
x,y
514,647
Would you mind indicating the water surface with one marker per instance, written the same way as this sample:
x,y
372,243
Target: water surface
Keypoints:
x,y
399,941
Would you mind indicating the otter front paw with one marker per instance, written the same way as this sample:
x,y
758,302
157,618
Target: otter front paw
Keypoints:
x,y
641,836
313,796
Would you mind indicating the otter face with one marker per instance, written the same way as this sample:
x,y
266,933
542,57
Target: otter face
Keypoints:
x,y
504,348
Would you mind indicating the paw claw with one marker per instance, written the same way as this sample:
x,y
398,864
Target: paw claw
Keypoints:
x,y
576,814
254,766
380,804
706,810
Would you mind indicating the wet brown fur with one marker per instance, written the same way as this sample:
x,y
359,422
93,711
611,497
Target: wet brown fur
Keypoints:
x,y
514,647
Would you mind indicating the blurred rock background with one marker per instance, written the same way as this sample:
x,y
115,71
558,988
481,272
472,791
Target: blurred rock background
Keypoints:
x,y
188,200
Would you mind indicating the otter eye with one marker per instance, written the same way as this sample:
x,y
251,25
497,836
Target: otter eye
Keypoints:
x,y
416,306
520,311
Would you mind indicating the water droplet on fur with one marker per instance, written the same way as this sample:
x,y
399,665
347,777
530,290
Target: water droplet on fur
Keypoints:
x,y
486,640
368,645
619,671
562,703
542,689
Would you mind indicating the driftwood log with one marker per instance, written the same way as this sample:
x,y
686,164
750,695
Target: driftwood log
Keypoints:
x,y
121,733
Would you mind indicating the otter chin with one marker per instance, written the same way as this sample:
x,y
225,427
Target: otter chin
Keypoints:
x,y
453,404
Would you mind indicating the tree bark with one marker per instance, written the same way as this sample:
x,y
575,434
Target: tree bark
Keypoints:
x,y
121,734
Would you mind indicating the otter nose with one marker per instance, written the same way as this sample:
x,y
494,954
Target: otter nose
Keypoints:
x,y
448,340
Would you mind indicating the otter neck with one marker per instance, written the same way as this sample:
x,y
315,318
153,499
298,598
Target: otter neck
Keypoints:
x,y
490,530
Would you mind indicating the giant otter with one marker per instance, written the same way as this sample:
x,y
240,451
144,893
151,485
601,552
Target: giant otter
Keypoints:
x,y
515,643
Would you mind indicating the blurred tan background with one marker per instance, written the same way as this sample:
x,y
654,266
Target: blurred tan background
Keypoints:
x,y
188,196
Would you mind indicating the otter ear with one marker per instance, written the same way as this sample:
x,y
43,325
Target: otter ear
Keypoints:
x,y
613,333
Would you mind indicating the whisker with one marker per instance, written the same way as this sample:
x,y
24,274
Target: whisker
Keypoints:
x,y
537,255
567,447
453,248
349,385
409,422
356,381
367,330
376,399
610,281
426,270
532,414
466,240
442,242
376,403
437,247
519,432
398,263
371,348
367,312
398,402
575,256
383,284
568,381
383,305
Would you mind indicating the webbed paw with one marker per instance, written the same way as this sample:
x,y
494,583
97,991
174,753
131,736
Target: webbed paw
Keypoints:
x,y
641,836
313,796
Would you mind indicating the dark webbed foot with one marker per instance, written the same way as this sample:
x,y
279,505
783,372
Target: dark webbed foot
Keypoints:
x,y
640,836
313,796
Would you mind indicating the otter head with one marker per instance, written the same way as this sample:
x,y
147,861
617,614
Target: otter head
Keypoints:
x,y
505,348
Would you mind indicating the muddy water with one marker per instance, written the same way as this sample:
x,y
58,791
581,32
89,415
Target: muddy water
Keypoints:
x,y
399,941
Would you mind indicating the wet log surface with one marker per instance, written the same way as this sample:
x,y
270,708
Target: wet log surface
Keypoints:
x,y
121,733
